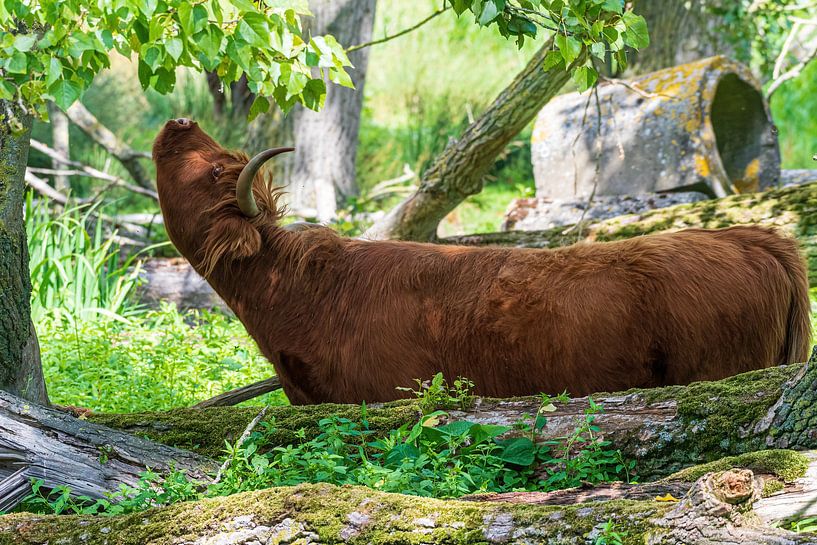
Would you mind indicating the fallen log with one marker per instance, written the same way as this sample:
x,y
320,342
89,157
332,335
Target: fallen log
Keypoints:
x,y
42,443
716,510
663,429
791,209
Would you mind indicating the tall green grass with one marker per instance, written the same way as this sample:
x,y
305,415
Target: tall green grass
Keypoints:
x,y
103,351
76,268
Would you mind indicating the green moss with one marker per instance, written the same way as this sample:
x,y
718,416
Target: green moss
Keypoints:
x,y
332,515
787,465
205,430
771,486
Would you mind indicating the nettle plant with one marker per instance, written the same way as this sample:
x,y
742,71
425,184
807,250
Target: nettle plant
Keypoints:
x,y
53,49
438,456
583,30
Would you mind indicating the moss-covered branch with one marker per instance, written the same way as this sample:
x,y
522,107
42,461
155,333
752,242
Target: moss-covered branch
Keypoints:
x,y
710,513
793,209
664,429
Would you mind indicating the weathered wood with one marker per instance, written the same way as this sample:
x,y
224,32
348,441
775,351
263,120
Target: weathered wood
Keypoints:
x,y
799,500
238,395
716,510
791,209
90,458
663,429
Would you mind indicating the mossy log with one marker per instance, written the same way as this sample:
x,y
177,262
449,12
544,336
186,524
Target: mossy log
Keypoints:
x,y
43,443
718,509
791,209
663,429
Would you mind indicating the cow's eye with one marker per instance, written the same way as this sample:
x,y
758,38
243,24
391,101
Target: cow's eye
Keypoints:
x,y
217,170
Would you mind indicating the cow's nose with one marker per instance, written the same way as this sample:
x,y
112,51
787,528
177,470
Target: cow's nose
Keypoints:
x,y
183,121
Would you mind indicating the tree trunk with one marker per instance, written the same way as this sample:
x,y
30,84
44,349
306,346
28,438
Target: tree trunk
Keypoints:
x,y
790,209
718,509
64,451
680,32
20,370
459,170
321,173
663,429
60,141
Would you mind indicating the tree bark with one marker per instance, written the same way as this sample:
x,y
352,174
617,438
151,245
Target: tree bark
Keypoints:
x,y
663,430
680,32
716,510
790,209
20,370
62,450
321,173
60,141
459,170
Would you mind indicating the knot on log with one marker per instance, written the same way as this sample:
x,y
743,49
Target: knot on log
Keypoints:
x,y
734,487
721,495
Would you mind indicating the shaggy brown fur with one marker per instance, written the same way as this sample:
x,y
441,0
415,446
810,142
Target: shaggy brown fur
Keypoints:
x,y
348,320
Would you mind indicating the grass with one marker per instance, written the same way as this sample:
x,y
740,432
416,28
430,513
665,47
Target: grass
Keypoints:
x,y
156,360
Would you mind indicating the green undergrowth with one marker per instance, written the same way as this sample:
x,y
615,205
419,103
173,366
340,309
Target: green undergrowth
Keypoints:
x,y
152,360
432,457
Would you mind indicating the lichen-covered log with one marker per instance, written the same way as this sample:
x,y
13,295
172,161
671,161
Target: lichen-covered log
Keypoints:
x,y
62,450
712,512
664,429
791,209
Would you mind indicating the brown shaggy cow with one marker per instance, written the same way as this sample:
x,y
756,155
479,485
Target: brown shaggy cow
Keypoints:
x,y
349,320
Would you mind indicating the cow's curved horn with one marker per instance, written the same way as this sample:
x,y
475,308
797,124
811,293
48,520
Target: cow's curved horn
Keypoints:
x,y
243,188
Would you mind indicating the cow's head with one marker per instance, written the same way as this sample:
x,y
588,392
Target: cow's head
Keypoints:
x,y
206,194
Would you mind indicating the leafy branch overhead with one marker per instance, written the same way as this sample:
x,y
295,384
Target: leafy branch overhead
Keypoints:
x,y
53,49
602,27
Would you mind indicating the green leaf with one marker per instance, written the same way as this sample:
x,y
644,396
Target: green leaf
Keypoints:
x,y
519,450
489,13
24,42
259,106
54,71
17,63
244,5
569,46
461,5
598,50
314,94
175,48
585,77
616,6
636,36
65,93
553,59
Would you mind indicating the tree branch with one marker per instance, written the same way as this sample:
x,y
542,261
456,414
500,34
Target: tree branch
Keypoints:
x,y
401,33
90,125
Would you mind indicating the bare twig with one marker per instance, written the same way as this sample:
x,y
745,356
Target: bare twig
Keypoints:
x,y
240,441
92,172
99,133
401,33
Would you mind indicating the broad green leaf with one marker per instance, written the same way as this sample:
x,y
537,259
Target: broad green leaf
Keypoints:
x,y
616,6
636,35
585,77
244,5
489,13
259,106
569,46
24,42
519,451
553,59
54,71
174,47
17,63
65,93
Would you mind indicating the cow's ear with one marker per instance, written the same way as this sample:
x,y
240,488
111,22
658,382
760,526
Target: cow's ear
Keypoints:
x,y
229,238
